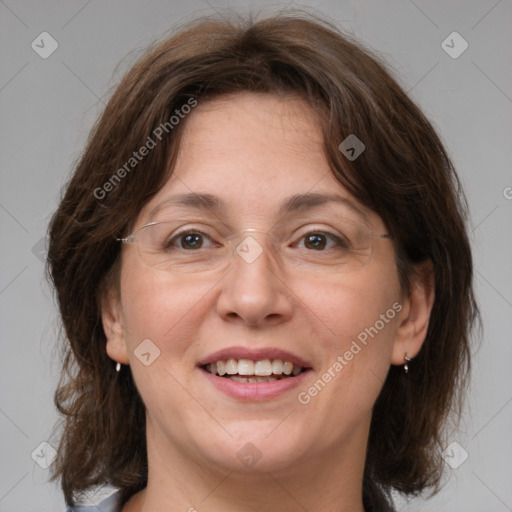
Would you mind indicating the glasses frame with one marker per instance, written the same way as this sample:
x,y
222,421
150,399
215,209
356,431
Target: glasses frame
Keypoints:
x,y
131,238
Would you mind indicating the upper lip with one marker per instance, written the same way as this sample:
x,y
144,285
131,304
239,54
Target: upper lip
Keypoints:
x,y
254,355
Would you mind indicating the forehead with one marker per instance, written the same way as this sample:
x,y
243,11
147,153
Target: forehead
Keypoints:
x,y
252,136
254,152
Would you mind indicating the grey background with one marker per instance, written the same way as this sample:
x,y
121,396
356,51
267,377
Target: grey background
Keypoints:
x,y
49,105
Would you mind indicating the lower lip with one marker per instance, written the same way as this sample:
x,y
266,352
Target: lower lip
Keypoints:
x,y
253,391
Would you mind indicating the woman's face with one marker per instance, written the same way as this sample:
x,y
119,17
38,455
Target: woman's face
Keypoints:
x,y
253,152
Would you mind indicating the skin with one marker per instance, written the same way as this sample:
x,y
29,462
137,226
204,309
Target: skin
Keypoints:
x,y
253,151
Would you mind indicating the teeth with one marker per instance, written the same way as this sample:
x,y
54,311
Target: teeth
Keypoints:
x,y
221,368
238,379
263,368
252,379
231,367
287,368
245,367
277,367
256,371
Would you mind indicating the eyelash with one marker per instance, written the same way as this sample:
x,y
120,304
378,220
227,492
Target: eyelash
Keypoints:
x,y
336,239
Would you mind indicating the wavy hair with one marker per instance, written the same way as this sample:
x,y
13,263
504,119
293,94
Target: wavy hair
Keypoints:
x,y
404,175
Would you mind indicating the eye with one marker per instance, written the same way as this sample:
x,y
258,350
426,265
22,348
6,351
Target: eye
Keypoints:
x,y
319,240
188,240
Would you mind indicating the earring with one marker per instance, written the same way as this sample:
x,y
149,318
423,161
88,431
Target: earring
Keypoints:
x,y
118,367
407,361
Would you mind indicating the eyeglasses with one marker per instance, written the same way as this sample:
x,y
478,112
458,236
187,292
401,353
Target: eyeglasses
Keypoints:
x,y
298,246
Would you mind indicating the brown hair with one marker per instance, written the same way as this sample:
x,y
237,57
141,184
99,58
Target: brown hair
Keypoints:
x,y
404,175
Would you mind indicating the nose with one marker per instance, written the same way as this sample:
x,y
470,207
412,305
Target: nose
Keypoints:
x,y
254,290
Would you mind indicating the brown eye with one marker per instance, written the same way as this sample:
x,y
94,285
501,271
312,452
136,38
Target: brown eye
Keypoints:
x,y
318,241
191,241
187,240
315,241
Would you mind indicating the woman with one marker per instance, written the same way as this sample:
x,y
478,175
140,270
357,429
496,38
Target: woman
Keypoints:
x,y
266,239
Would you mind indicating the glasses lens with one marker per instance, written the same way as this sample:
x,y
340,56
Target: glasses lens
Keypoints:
x,y
164,246
339,245
332,247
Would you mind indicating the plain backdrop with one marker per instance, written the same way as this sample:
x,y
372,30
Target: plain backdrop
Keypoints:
x,y
48,106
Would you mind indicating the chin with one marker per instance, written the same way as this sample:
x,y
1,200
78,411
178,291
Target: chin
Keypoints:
x,y
257,446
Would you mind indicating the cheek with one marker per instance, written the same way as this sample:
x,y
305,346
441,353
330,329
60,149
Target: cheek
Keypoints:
x,y
163,316
358,316
354,304
166,310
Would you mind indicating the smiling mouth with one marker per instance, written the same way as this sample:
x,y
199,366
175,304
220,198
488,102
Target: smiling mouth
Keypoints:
x,y
249,371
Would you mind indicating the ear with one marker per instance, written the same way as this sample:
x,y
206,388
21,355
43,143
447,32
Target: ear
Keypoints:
x,y
112,318
415,315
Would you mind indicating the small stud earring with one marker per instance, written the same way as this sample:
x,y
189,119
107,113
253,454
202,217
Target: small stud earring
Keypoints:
x,y
118,367
407,361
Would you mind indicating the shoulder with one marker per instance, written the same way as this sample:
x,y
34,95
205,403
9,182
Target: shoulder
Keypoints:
x,y
110,504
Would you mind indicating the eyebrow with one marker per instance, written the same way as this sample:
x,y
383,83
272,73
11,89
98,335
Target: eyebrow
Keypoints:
x,y
295,203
